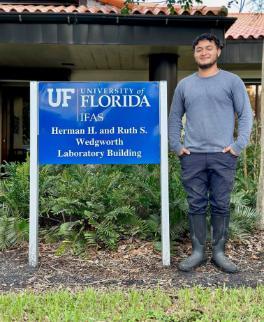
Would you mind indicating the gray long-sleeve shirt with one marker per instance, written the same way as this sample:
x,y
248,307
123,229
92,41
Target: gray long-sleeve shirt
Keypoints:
x,y
210,104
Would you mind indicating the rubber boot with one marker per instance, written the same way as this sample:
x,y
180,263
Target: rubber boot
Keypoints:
x,y
220,226
198,237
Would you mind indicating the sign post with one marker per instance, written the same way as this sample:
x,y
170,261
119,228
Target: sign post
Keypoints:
x,y
34,177
164,180
98,123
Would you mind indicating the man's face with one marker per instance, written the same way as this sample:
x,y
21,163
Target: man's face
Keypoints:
x,y
206,54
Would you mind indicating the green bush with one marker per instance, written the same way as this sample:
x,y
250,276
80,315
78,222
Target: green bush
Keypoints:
x,y
94,205
14,201
98,205
243,200
249,168
14,191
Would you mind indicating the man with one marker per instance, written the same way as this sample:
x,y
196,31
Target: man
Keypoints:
x,y
210,99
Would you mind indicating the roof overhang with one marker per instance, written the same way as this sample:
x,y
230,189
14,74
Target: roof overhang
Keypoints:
x,y
78,18
75,28
100,41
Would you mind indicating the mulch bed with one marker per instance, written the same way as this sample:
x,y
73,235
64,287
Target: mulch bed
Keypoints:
x,y
133,264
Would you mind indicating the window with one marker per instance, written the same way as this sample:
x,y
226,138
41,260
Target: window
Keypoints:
x,y
254,93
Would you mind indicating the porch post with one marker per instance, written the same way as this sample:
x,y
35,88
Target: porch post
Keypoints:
x,y
164,67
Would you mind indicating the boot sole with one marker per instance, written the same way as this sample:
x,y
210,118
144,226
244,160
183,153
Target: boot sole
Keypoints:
x,y
203,262
222,269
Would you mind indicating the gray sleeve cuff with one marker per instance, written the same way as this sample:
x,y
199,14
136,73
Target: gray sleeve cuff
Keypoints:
x,y
178,149
236,148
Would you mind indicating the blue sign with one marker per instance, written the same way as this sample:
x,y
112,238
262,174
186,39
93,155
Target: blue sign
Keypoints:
x,y
99,123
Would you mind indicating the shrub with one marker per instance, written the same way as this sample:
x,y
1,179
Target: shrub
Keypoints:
x,y
243,200
98,205
95,205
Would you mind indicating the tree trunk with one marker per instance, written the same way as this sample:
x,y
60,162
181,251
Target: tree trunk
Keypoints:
x,y
260,195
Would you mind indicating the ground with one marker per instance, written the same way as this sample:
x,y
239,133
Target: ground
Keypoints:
x,y
133,264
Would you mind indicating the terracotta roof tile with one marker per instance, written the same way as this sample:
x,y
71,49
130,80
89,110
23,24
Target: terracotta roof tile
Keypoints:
x,y
109,6
161,8
247,26
106,9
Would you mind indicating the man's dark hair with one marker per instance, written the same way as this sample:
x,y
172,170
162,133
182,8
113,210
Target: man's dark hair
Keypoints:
x,y
207,36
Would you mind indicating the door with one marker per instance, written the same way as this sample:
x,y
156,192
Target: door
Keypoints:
x,y
15,123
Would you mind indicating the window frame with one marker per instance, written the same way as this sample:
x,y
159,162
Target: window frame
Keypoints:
x,y
257,83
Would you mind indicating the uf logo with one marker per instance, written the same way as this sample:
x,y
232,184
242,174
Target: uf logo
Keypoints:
x,y
61,98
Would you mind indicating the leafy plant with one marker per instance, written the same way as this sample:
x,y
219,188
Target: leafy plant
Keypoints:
x,y
13,231
243,216
105,203
14,193
248,168
87,205
178,201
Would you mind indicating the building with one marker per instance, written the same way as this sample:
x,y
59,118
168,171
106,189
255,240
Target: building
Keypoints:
x,y
93,41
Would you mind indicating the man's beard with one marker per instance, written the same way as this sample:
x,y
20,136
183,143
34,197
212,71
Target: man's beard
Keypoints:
x,y
206,66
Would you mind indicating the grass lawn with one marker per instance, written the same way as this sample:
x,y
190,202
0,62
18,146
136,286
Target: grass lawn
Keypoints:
x,y
195,304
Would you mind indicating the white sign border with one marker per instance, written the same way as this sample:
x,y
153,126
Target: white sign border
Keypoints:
x,y
34,174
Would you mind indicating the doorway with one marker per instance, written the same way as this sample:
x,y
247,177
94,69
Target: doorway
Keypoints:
x,y
15,122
